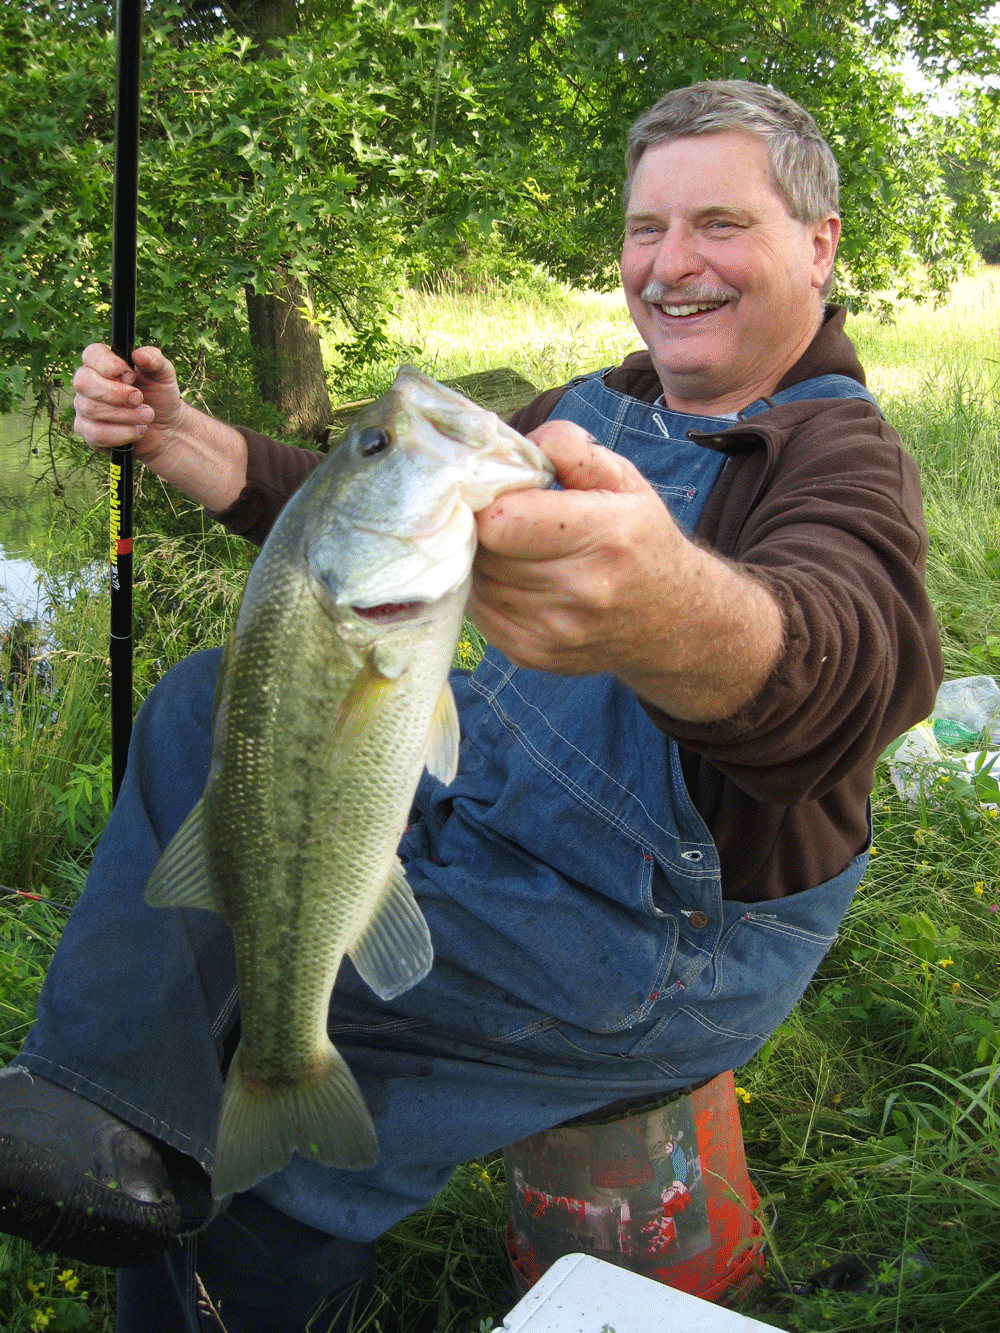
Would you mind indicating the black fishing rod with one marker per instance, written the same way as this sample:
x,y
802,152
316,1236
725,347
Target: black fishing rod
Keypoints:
x,y
123,270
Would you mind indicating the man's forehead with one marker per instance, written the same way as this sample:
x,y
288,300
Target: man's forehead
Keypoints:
x,y
728,171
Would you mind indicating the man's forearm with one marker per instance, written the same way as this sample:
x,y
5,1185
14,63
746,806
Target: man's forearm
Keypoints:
x,y
207,460
708,663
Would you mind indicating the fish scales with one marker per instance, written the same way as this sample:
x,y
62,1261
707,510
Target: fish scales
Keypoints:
x,y
332,695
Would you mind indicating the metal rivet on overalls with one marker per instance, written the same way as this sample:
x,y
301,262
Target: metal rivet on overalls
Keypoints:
x,y
698,920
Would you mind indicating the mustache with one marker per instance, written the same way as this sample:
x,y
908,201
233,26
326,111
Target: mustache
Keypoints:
x,y
655,293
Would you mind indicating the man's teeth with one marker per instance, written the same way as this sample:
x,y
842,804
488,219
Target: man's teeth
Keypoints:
x,y
691,309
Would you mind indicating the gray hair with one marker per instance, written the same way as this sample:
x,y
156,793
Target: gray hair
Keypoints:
x,y
803,168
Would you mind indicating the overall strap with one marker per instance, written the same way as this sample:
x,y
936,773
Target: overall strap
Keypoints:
x,y
821,386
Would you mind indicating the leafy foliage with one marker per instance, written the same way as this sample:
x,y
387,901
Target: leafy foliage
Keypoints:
x,y
314,155
592,71
372,139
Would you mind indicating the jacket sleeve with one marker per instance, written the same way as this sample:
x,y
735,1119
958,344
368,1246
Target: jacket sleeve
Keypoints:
x,y
275,471
839,538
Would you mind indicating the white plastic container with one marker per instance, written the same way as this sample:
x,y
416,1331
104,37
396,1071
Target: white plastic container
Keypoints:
x,y
581,1294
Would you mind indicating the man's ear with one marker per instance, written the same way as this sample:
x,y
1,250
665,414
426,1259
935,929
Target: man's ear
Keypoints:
x,y
826,235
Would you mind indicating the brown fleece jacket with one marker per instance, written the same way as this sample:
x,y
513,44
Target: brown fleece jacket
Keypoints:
x,y
822,504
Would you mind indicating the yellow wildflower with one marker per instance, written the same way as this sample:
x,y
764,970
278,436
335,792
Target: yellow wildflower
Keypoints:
x,y
69,1279
955,985
948,962
979,888
743,1095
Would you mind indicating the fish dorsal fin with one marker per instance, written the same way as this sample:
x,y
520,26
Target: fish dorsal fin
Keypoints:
x,y
181,875
444,738
394,951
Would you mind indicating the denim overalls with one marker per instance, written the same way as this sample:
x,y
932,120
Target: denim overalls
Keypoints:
x,y
570,836
583,949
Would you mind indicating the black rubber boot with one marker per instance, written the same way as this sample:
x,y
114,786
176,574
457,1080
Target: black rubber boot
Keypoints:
x,y
78,1182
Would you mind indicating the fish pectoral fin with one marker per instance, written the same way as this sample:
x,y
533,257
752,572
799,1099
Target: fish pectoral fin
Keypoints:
x,y
362,704
394,951
444,738
323,1117
181,878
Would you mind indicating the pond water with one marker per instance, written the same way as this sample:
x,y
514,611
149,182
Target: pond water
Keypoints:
x,y
27,505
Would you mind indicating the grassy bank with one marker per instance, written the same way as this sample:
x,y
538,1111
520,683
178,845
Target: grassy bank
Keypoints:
x,y
873,1121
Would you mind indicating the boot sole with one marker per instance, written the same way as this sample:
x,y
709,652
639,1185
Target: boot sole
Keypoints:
x,y
57,1210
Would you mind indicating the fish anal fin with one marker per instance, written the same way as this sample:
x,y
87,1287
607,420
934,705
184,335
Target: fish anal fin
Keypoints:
x,y
323,1117
181,877
444,738
394,951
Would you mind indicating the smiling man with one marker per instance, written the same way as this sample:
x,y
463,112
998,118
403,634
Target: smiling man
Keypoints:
x,y
699,646
723,282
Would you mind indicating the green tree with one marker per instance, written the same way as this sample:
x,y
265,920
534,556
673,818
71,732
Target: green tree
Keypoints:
x,y
314,155
578,74
299,170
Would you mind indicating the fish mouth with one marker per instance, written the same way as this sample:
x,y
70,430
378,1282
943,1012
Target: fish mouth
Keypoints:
x,y
388,612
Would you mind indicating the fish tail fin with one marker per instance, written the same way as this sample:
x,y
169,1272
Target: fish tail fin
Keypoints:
x,y
323,1117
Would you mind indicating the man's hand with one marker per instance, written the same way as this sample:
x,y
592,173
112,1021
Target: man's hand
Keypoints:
x,y
116,405
598,577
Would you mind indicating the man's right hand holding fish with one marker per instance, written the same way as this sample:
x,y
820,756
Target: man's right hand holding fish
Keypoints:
x,y
397,918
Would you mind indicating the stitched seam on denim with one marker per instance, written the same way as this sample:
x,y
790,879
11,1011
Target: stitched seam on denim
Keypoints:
x,y
820,941
161,1125
395,1025
709,1026
710,423
190,1244
533,1029
646,887
786,928
579,793
224,1019
567,1044
614,423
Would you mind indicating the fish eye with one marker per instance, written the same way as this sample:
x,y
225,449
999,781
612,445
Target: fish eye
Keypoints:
x,y
374,440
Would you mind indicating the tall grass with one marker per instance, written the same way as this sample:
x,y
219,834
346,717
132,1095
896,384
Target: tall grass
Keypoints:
x,y
873,1125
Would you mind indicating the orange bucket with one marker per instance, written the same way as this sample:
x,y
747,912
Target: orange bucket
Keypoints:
x,y
663,1191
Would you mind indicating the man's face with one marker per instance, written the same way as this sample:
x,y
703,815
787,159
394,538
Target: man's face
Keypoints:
x,y
722,284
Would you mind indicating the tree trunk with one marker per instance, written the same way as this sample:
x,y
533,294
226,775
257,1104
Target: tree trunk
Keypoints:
x,y
288,362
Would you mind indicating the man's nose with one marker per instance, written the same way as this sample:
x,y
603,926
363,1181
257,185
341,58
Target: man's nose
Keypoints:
x,y
677,257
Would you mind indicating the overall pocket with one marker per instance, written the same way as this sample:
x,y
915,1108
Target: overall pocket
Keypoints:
x,y
766,957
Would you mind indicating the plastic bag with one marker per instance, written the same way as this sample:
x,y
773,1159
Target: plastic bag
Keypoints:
x,y
967,709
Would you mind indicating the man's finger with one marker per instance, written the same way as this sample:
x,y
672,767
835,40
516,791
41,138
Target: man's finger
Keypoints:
x,y
99,358
94,387
582,464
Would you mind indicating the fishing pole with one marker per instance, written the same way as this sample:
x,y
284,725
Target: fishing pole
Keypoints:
x,y
35,898
123,273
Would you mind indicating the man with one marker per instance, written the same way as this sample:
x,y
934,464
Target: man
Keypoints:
x,y
661,811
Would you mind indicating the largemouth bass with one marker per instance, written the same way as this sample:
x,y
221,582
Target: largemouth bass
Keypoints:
x,y
332,696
